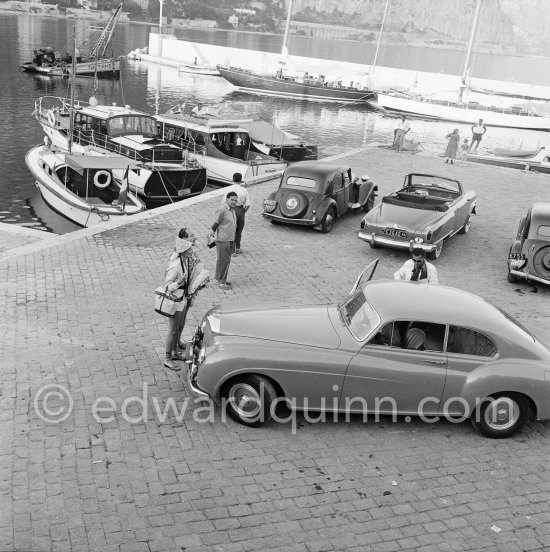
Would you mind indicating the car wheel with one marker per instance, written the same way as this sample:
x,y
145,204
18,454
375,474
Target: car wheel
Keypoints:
x,y
466,227
436,254
501,416
249,399
511,277
327,222
369,204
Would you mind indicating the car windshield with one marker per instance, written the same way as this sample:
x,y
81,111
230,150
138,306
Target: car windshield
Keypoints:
x,y
359,316
424,181
300,182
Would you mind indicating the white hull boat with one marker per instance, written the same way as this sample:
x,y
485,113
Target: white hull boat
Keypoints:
x,y
222,146
83,188
165,172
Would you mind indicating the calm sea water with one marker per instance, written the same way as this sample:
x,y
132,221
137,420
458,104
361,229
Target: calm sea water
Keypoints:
x,y
153,88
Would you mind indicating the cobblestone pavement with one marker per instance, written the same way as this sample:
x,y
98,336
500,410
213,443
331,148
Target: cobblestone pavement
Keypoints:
x,y
80,315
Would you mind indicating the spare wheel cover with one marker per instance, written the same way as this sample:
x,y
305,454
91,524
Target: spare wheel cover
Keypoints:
x,y
541,261
293,204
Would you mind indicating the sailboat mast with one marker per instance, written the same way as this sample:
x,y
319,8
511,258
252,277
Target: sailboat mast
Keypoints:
x,y
375,61
71,108
467,61
284,50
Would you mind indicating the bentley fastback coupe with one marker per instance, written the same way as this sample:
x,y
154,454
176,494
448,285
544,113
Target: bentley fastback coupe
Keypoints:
x,y
429,207
314,193
391,347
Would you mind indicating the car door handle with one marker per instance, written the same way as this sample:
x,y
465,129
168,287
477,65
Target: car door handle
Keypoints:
x,y
439,362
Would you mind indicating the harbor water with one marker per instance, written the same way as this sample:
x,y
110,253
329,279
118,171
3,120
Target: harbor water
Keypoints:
x,y
154,89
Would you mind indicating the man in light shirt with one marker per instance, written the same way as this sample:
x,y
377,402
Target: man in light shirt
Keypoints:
x,y
477,134
400,133
417,269
241,207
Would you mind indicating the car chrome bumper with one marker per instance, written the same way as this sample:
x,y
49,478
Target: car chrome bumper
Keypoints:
x,y
303,222
527,276
194,389
398,244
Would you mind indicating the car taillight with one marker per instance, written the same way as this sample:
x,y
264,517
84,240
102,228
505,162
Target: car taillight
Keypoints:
x,y
429,236
363,224
269,205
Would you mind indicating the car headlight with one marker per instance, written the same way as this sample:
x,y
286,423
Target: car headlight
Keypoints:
x,y
517,264
269,205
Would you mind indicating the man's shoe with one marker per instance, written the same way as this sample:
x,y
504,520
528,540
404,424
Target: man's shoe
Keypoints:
x,y
224,286
237,252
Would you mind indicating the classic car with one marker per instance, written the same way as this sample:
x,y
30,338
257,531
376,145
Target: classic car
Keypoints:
x,y
391,347
432,208
313,193
529,256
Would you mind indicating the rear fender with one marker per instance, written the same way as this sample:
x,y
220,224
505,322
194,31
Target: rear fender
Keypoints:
x,y
323,207
365,191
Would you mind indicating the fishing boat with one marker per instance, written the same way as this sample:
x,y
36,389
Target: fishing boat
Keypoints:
x,y
465,110
539,162
223,146
166,173
83,187
198,69
48,62
515,152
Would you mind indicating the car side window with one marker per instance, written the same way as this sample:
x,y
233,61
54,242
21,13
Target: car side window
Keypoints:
x,y
470,342
423,336
389,336
337,183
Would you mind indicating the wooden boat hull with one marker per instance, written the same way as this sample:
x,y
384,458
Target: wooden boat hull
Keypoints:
x,y
505,152
526,164
105,67
198,69
267,85
448,111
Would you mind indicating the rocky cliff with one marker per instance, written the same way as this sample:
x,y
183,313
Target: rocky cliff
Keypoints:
x,y
523,25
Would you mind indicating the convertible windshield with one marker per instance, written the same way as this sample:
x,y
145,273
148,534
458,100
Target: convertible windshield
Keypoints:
x,y
359,316
424,181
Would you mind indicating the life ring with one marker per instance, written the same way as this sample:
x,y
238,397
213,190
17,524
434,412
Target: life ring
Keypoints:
x,y
102,179
51,117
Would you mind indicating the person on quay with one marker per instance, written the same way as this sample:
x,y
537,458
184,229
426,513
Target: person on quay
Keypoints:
x,y
241,207
477,134
400,132
417,269
176,280
452,145
464,149
224,228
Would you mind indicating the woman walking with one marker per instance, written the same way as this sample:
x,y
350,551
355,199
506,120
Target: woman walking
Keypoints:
x,y
452,145
180,264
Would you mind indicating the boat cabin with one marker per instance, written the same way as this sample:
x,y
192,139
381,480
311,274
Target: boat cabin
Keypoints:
x,y
123,132
214,138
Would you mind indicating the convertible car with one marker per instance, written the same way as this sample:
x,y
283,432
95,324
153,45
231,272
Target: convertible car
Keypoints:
x,y
391,347
429,207
529,256
314,193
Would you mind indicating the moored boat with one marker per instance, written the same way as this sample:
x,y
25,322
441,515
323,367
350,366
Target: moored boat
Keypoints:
x,y
50,63
302,88
223,146
515,152
540,162
83,187
166,173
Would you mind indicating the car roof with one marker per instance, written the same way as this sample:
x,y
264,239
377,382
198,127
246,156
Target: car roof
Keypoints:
x,y
315,169
540,213
403,300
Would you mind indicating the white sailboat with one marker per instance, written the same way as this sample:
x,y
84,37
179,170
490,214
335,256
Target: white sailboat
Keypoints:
x,y
83,187
464,110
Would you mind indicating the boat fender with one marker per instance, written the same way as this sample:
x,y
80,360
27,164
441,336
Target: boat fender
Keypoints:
x,y
102,179
51,117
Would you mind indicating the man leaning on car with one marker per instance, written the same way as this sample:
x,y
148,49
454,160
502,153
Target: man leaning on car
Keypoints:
x,y
417,269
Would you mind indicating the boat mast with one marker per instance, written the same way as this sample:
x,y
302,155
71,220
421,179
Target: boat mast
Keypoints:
x,y
71,107
375,61
284,50
467,61
107,34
